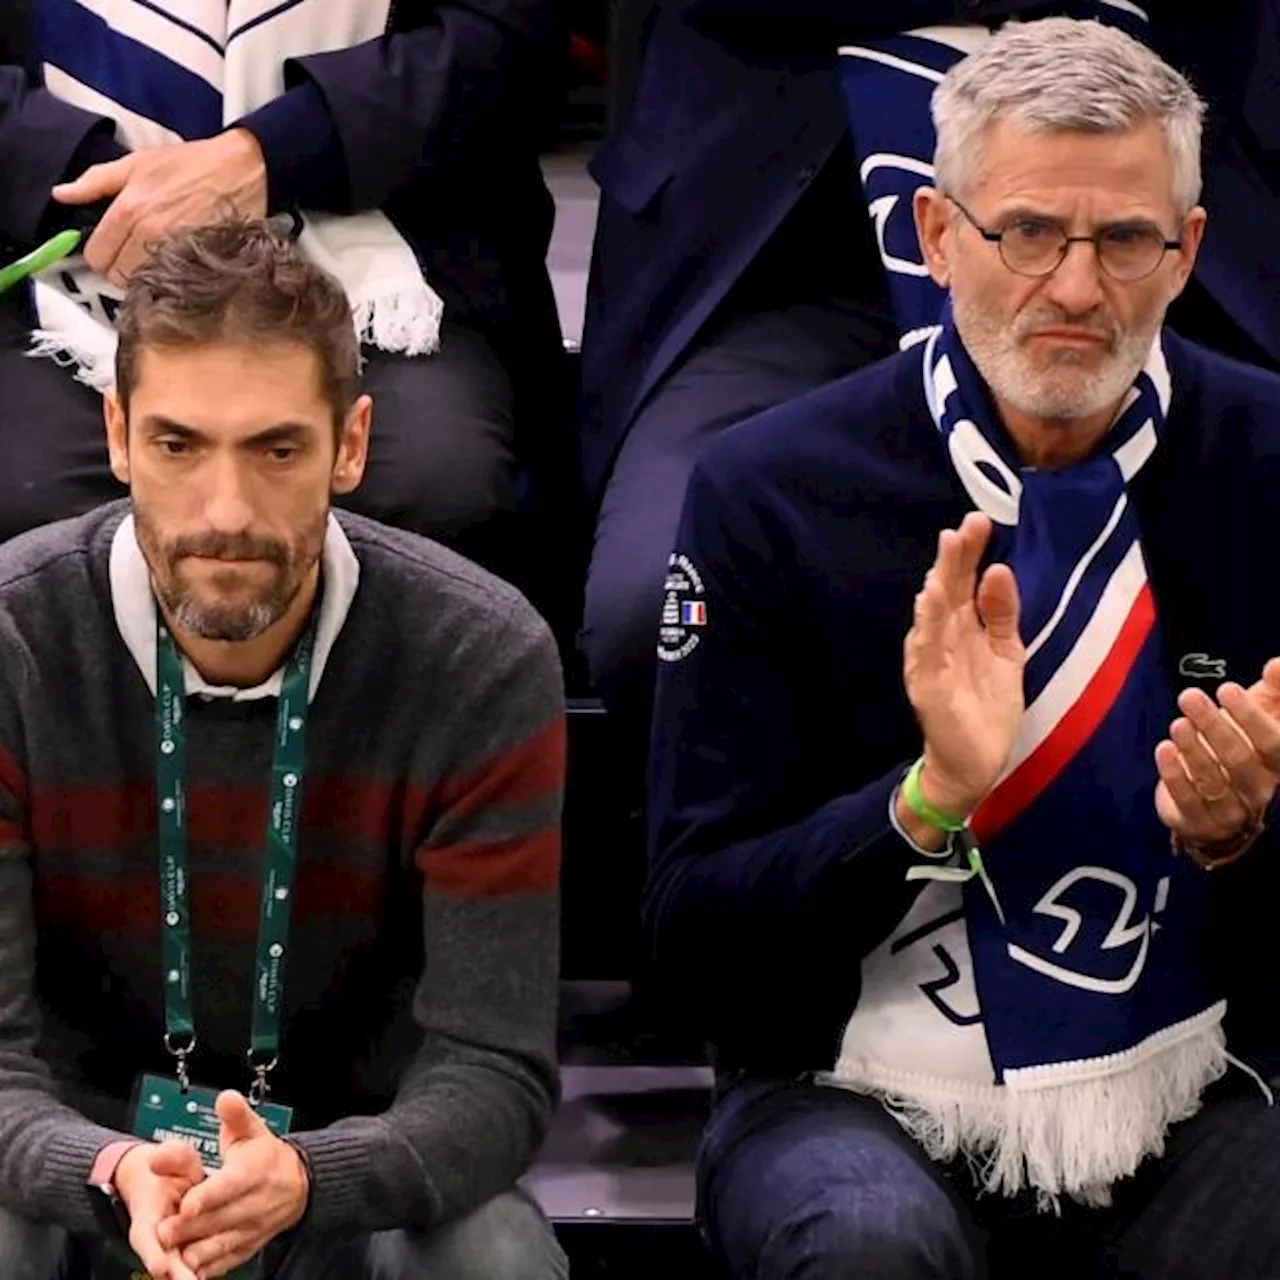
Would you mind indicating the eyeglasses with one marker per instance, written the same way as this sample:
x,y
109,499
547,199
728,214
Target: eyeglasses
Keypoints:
x,y
1037,246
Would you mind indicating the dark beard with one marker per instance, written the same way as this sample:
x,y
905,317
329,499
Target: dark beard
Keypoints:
x,y
216,621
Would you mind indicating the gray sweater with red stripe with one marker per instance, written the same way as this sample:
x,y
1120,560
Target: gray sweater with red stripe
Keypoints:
x,y
418,1046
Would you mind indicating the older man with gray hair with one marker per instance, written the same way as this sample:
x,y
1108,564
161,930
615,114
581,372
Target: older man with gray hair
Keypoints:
x,y
977,921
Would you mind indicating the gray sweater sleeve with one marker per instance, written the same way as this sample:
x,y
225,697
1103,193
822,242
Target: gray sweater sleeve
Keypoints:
x,y
474,1104
46,1148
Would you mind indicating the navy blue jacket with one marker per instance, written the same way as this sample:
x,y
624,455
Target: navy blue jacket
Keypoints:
x,y
434,125
736,111
779,739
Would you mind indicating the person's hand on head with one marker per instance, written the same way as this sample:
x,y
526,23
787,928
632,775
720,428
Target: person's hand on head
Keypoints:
x,y
261,1191
1220,766
152,1179
163,189
963,661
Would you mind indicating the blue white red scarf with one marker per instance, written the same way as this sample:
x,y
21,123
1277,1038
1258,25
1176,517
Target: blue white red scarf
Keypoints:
x,y
1054,1046
177,70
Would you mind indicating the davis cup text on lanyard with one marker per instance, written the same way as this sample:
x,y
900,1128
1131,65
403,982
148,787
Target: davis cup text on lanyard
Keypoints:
x,y
288,769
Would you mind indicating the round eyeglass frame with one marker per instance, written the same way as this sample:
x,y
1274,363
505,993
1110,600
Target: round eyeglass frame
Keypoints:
x,y
997,238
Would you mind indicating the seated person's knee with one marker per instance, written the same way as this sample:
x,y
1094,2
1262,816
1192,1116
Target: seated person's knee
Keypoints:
x,y
871,1233
505,1239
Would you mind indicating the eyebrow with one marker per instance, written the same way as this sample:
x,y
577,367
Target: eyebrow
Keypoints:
x,y
157,424
1023,213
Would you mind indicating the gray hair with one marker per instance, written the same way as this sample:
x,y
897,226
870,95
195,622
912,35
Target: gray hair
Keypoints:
x,y
1060,73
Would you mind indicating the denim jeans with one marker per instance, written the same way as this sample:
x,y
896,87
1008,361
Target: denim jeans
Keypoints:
x,y
800,1181
505,1239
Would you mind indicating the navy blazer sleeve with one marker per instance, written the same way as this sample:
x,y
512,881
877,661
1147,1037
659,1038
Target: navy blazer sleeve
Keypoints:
x,y
757,862
43,141
360,124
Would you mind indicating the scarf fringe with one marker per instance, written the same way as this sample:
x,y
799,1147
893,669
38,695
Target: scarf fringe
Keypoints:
x,y
1073,1139
72,338
94,368
405,320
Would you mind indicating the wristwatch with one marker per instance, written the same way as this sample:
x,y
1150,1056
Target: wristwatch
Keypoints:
x,y
109,1211
1209,857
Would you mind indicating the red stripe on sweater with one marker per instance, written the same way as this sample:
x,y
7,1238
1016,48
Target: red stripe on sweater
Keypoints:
x,y
224,908
530,864
12,778
90,819
364,809
530,771
1038,771
127,905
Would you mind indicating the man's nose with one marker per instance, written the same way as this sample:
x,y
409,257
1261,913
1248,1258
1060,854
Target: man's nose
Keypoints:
x,y
1076,285
228,505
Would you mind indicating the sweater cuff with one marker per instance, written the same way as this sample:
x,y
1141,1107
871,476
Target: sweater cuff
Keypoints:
x,y
346,1168
69,1160
306,168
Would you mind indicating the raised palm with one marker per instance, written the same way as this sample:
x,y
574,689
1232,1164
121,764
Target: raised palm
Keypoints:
x,y
963,661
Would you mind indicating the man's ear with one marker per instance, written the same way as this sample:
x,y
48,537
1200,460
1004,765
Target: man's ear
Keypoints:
x,y
117,425
353,447
1192,236
933,227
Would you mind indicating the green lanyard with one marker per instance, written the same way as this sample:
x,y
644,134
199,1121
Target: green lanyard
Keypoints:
x,y
288,768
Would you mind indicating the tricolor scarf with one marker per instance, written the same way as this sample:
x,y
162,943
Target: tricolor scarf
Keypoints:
x,y
177,70
1056,1046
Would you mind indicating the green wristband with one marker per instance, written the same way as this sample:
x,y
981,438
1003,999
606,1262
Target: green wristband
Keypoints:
x,y
918,805
40,259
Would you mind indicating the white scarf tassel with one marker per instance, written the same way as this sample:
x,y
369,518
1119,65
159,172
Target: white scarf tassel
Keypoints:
x,y
1067,1130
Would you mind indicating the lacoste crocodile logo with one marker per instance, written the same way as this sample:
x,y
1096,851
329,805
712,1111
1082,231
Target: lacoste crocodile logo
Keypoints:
x,y
1199,666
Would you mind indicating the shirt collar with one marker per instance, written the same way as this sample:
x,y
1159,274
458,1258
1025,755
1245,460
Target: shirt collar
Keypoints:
x,y
135,609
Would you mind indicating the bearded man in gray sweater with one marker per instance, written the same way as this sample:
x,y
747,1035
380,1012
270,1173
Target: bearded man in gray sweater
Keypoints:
x,y
279,833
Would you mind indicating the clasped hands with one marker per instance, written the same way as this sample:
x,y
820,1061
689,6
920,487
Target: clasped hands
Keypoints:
x,y
189,1224
963,662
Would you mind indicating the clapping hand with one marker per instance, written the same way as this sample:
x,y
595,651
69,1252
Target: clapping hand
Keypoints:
x,y
963,661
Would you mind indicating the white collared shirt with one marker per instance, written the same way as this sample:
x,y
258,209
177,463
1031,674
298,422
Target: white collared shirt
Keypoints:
x,y
135,608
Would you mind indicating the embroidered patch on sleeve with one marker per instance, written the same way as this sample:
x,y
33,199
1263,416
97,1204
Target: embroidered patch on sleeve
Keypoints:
x,y
684,610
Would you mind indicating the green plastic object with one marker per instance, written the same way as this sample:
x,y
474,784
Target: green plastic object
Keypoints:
x,y
53,250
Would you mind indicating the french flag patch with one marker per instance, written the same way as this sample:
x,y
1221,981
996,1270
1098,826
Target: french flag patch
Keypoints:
x,y
693,613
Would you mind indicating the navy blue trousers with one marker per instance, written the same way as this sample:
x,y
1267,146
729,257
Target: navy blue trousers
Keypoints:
x,y
799,1181
748,361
